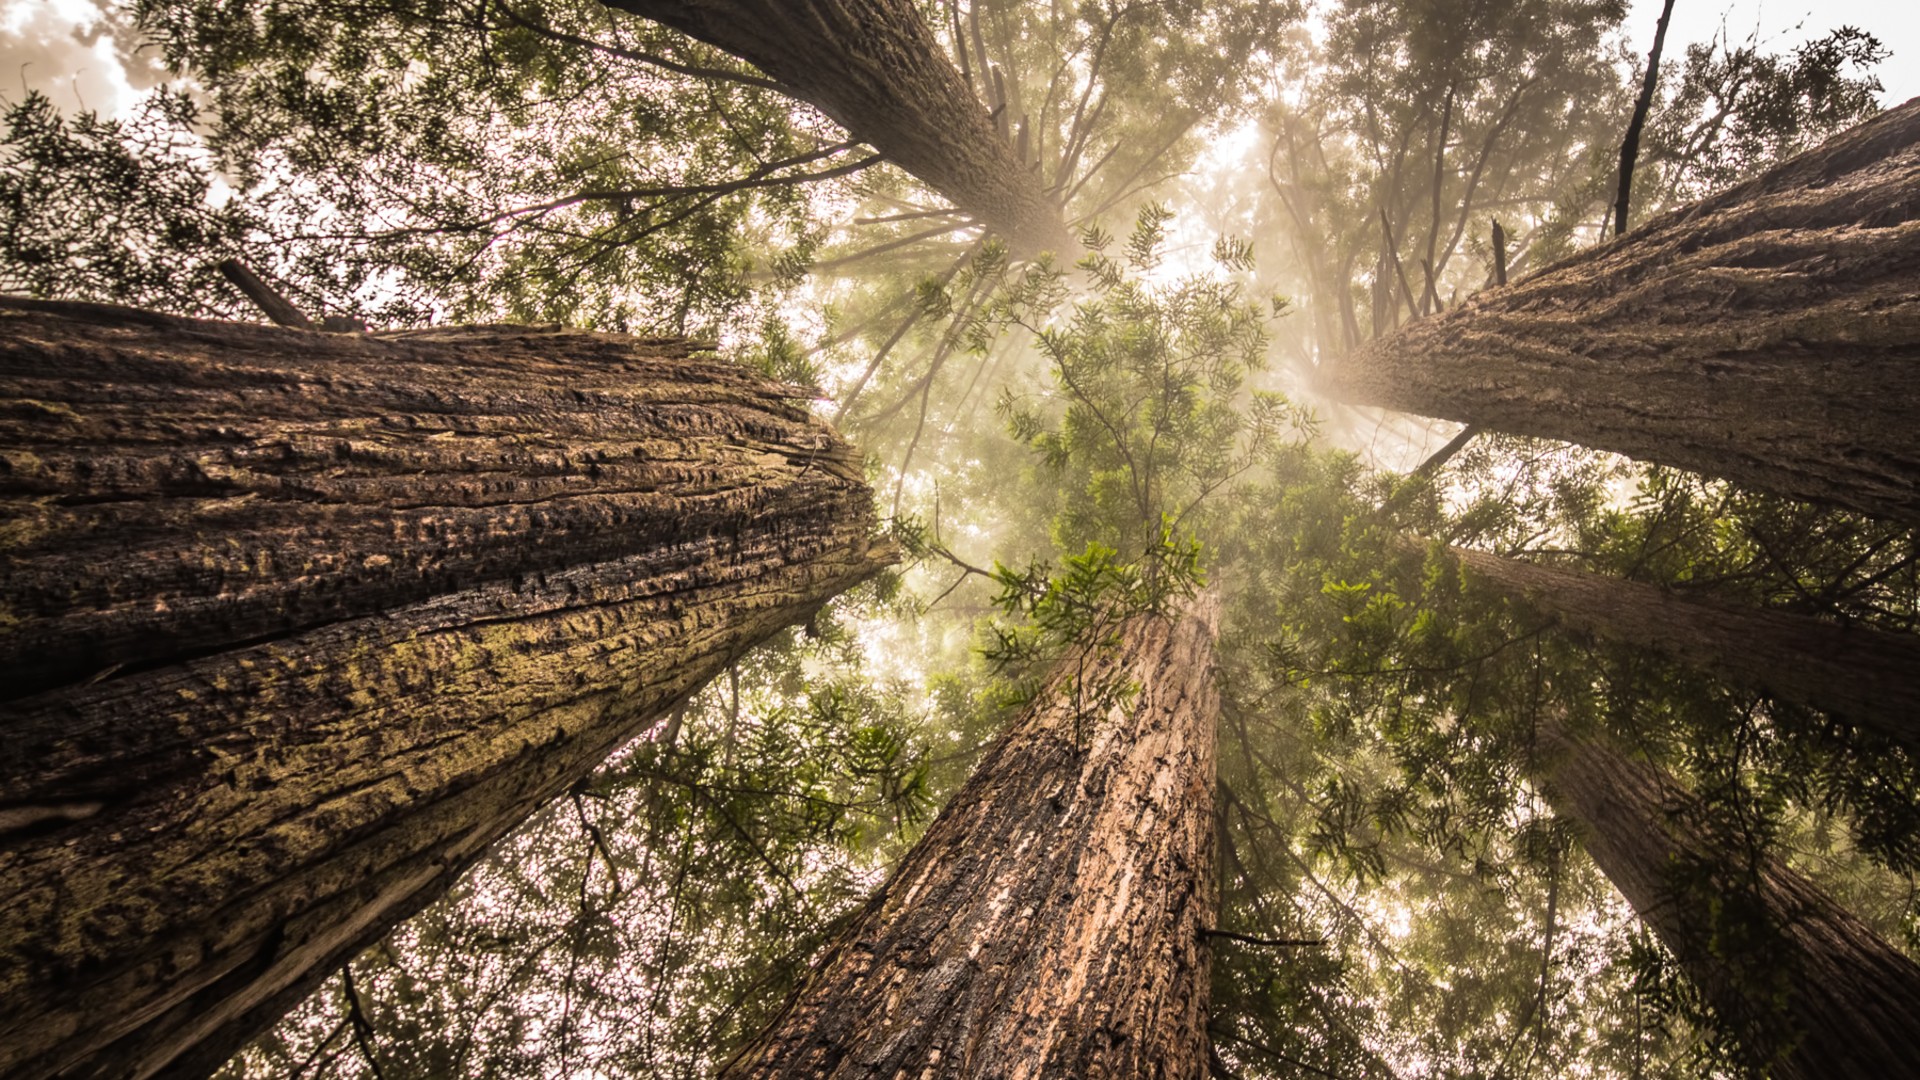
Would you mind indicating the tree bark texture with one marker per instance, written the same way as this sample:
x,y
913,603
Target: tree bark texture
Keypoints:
x,y
1769,335
874,68
294,625
1851,1002
1865,676
1049,923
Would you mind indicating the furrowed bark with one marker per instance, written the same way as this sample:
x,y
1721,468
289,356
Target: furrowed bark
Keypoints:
x,y
1049,923
1865,676
1851,1002
1769,335
874,68
295,625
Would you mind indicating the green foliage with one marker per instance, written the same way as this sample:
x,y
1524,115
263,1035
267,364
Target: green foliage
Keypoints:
x,y
654,919
1737,109
548,162
541,162
125,212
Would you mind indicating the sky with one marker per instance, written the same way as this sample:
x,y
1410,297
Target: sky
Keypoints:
x,y
1895,22
49,45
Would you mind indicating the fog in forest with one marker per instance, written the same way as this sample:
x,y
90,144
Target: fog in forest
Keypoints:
x,y
1267,538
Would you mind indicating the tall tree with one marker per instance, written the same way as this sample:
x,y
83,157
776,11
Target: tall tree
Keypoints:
x,y
1809,989
1051,921
1403,128
876,69
298,624
1860,674
1763,335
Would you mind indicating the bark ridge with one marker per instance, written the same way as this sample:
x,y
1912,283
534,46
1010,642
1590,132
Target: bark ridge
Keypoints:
x,y
1049,923
294,625
1769,335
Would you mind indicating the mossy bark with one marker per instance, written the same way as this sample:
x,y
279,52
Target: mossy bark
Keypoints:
x,y
1819,995
874,67
1050,922
294,625
1769,335
1865,676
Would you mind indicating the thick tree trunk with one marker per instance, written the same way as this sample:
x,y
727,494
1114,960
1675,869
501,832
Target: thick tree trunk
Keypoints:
x,y
1850,1003
1769,335
1865,676
1049,923
874,67
295,625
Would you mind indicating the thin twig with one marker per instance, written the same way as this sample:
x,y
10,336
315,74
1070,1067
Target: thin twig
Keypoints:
x,y
1271,943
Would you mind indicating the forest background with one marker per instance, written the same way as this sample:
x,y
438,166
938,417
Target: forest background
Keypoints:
x,y
1262,192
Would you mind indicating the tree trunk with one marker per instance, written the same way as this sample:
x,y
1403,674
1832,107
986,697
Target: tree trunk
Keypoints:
x,y
1865,676
874,67
1836,1000
1049,923
295,625
1769,335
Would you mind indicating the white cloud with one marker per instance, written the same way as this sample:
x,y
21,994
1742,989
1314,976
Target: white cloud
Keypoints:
x,y
67,50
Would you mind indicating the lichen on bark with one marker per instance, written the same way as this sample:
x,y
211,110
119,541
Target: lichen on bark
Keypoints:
x,y
297,624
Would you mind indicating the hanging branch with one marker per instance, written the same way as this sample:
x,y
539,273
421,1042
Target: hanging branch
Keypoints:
x,y
1630,148
860,384
1439,177
598,845
761,177
362,1026
1271,943
264,296
1393,253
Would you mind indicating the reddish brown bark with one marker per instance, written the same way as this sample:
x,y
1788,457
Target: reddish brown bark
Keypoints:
x,y
1049,923
1769,335
874,67
1828,999
295,625
1865,676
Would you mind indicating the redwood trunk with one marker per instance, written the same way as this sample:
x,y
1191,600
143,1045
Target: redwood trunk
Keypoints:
x,y
1865,676
1769,335
1851,1002
874,67
295,625
1049,923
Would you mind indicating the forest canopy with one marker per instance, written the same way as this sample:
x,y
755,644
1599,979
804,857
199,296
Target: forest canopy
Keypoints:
x,y
1508,731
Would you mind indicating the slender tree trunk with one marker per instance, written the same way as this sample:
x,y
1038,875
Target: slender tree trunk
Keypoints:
x,y
874,67
1769,335
1630,145
1049,923
1865,676
294,625
1837,1000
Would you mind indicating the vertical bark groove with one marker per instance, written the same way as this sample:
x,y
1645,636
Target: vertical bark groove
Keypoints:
x,y
1049,923
295,625
1769,335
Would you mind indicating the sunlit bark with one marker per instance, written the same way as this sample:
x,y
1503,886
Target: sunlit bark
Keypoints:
x,y
1050,922
1769,335
294,625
